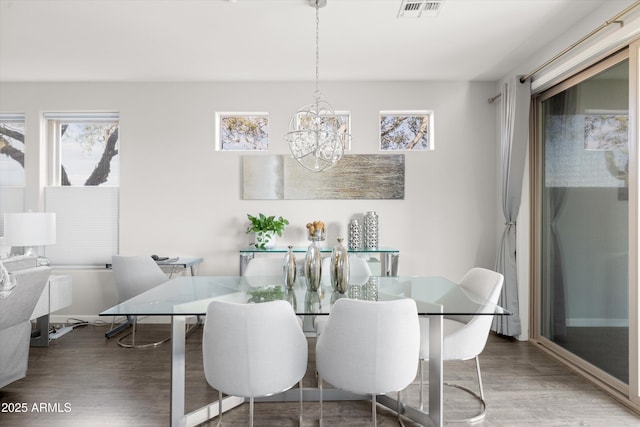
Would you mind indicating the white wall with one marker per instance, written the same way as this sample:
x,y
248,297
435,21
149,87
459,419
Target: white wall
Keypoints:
x,y
181,197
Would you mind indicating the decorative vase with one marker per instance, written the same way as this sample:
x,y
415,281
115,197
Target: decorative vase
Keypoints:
x,y
371,230
289,268
313,266
355,234
371,289
339,271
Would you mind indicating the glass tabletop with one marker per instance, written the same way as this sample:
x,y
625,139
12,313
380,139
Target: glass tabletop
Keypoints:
x,y
299,249
190,295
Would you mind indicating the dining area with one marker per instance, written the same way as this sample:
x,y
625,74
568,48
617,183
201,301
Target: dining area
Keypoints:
x,y
367,340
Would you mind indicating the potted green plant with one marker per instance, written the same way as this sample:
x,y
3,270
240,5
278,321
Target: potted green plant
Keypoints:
x,y
266,229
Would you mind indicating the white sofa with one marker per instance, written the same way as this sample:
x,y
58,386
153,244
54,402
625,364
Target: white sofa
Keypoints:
x,y
15,311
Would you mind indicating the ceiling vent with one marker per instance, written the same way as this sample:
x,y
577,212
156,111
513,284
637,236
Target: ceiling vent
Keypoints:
x,y
419,8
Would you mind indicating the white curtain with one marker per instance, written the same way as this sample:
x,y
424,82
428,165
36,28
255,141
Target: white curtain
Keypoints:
x,y
516,98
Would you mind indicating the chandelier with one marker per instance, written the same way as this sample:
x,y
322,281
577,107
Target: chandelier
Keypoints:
x,y
316,136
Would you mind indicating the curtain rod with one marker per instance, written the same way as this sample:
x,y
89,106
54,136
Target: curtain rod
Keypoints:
x,y
493,98
614,20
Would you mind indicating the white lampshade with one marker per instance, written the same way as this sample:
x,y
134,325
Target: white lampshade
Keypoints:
x,y
30,228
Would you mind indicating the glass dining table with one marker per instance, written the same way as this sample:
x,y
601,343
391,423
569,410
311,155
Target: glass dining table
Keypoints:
x,y
184,297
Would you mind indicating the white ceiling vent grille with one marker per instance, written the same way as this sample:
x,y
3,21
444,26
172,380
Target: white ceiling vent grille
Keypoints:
x,y
419,8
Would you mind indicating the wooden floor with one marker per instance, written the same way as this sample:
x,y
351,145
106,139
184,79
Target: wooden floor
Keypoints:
x,y
82,379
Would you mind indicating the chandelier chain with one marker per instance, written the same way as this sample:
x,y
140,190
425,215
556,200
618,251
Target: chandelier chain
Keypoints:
x,y
317,92
317,137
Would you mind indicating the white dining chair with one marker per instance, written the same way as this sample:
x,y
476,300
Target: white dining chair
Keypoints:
x,y
253,350
369,347
465,337
359,274
133,275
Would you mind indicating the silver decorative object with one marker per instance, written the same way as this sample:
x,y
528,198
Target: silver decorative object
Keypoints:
x,y
371,230
339,272
355,291
289,268
355,234
313,266
371,289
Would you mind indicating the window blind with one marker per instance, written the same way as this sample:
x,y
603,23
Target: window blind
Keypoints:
x,y
86,223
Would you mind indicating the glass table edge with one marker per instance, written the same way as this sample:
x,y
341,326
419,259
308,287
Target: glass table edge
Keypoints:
x,y
300,249
201,312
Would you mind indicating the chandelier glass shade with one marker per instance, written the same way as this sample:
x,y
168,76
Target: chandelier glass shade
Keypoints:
x,y
317,137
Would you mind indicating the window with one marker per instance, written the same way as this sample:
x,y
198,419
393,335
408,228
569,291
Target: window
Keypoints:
x,y
242,131
12,150
12,173
84,177
85,149
406,130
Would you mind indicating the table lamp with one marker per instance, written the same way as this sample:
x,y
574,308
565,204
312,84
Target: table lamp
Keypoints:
x,y
30,229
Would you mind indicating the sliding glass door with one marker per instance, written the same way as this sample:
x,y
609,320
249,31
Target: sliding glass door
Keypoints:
x,y
583,219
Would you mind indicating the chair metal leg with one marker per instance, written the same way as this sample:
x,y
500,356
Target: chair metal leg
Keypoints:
x,y
373,410
219,408
251,411
133,332
479,378
422,384
193,327
132,322
480,397
300,387
399,409
320,387
132,344
114,330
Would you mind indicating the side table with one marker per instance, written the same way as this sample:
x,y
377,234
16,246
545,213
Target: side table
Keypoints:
x,y
57,294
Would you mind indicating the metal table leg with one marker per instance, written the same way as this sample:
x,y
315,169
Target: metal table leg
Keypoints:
x,y
434,417
177,370
389,263
436,377
245,257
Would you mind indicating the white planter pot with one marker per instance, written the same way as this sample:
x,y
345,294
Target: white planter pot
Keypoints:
x,y
268,238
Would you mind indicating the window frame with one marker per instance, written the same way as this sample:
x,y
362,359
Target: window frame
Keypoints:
x,y
98,238
53,122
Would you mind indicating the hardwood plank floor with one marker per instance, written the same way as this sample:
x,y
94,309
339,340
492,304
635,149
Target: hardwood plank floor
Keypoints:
x,y
82,379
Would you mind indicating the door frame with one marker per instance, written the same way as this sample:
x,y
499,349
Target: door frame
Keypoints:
x,y
625,393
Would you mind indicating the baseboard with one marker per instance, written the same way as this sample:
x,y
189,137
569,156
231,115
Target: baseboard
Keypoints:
x,y
97,320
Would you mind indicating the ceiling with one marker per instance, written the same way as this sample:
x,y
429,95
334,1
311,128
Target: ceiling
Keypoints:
x,y
273,40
